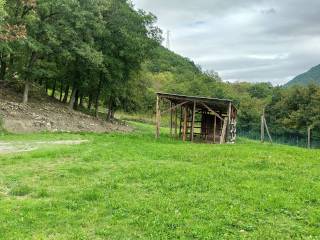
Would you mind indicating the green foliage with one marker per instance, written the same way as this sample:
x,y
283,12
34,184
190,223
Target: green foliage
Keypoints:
x,y
134,187
261,90
2,11
104,52
289,110
169,72
295,109
311,76
90,47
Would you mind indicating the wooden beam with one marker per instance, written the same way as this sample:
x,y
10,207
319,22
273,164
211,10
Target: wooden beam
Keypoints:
x,y
193,120
175,107
229,123
210,110
158,117
224,131
229,113
176,123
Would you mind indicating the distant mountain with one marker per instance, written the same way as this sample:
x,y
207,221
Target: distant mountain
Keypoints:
x,y
313,75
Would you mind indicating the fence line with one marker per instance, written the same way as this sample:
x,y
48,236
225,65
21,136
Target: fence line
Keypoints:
x,y
293,138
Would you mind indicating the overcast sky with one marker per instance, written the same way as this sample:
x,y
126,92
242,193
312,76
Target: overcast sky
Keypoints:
x,y
243,40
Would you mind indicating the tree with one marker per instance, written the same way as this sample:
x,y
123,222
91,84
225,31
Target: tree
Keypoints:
x,y
2,11
14,41
93,48
294,110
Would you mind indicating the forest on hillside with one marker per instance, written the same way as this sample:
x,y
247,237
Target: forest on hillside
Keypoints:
x,y
84,49
311,76
104,53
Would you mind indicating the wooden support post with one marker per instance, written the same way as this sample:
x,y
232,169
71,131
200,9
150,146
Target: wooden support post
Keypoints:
x,y
206,126
158,116
266,126
309,137
185,122
229,112
229,123
224,131
193,119
262,127
214,129
176,123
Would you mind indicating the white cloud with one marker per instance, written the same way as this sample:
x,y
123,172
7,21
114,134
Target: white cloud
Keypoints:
x,y
247,40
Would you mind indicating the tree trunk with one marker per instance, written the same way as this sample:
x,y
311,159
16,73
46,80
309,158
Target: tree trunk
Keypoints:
x,y
8,74
98,96
47,87
26,91
76,101
33,58
110,114
3,69
72,99
90,102
81,101
66,94
61,90
10,66
54,88
96,113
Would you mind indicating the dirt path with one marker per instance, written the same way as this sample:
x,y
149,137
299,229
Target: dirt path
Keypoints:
x,y
16,147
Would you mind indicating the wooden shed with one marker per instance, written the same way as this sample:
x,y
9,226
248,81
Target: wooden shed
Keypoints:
x,y
199,119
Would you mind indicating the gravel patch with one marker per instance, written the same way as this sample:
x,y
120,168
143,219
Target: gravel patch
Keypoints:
x,y
16,147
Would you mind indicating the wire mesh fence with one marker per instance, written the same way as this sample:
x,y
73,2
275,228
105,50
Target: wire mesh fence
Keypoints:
x,y
285,136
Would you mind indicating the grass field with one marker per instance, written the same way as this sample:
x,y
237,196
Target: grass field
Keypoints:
x,y
131,186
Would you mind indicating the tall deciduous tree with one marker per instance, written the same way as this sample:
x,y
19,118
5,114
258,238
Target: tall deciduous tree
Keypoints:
x,y
2,11
91,48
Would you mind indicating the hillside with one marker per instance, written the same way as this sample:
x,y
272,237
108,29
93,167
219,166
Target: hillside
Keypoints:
x,y
170,72
164,60
311,76
45,114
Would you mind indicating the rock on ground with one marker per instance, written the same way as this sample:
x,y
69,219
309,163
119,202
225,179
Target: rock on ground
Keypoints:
x,y
46,114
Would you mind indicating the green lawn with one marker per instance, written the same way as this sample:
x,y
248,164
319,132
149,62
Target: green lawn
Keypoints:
x,y
131,186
